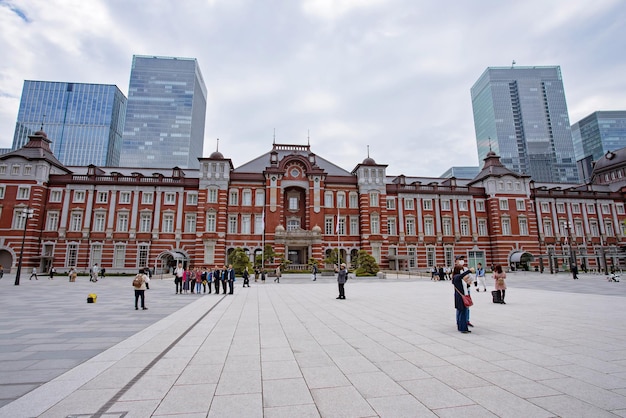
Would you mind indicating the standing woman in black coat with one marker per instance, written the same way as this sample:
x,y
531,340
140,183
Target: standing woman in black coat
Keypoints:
x,y
461,309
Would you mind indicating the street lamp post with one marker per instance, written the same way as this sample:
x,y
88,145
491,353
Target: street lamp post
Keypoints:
x,y
27,213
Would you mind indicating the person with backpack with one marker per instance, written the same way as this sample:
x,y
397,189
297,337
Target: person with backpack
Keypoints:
x,y
139,284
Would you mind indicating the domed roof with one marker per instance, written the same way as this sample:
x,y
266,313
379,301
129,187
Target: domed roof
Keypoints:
x,y
280,228
41,133
369,161
610,159
216,155
316,228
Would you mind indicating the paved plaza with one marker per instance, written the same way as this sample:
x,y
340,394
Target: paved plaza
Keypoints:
x,y
391,349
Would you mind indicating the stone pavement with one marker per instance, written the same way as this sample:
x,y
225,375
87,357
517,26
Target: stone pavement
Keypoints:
x,y
391,349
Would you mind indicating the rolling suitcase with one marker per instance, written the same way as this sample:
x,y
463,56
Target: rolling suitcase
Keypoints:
x,y
496,296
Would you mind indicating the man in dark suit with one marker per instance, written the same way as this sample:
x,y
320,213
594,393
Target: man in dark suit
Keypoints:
x,y
217,279
231,278
224,279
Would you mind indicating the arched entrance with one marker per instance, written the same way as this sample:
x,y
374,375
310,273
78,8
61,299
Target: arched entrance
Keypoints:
x,y
520,260
6,260
167,261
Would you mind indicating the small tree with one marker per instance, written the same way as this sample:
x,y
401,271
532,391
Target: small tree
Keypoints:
x,y
365,264
268,255
239,259
332,257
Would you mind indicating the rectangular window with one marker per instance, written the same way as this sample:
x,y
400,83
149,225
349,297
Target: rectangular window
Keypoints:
x,y
76,222
575,207
427,204
547,228
608,228
168,223
374,199
122,222
430,257
523,226
445,205
354,200
593,227
18,219
463,205
375,223
560,207
103,197
52,221
119,256
409,204
96,254
429,227
391,226
521,205
124,198
447,226
506,226
504,204
192,199
233,198
341,200
98,222
591,208
293,203
259,197
27,170
147,198
410,226
3,169
190,222
341,226
412,257
545,207
142,255
232,224
23,193
145,222
480,205
258,224
328,199
354,225
482,227
15,170
606,209
56,196
209,252
464,225
210,222
619,208
79,196
212,196
72,255
246,227
328,225
246,198
170,198
391,203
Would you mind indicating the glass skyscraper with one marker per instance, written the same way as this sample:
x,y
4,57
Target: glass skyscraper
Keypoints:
x,y
166,112
521,114
599,133
84,121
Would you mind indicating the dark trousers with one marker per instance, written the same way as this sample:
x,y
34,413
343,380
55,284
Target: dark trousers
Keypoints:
x,y
208,284
179,284
246,282
502,292
342,294
217,286
231,284
140,294
461,319
224,286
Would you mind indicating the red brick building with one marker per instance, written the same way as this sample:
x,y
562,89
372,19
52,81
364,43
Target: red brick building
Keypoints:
x,y
304,207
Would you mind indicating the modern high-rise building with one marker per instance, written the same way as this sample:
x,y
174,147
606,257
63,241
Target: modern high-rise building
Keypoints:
x,y
84,121
165,115
521,114
598,133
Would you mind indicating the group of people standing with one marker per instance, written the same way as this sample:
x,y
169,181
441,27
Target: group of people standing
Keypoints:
x,y
462,281
197,280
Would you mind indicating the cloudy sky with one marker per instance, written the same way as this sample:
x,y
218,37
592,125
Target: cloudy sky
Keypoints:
x,y
394,75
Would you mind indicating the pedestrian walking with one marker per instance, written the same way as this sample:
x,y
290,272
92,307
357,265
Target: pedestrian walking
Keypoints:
x,y
34,274
278,274
1,271
263,274
52,271
314,271
480,278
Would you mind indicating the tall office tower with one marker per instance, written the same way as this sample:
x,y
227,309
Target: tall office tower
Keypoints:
x,y
166,112
84,121
598,133
521,114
